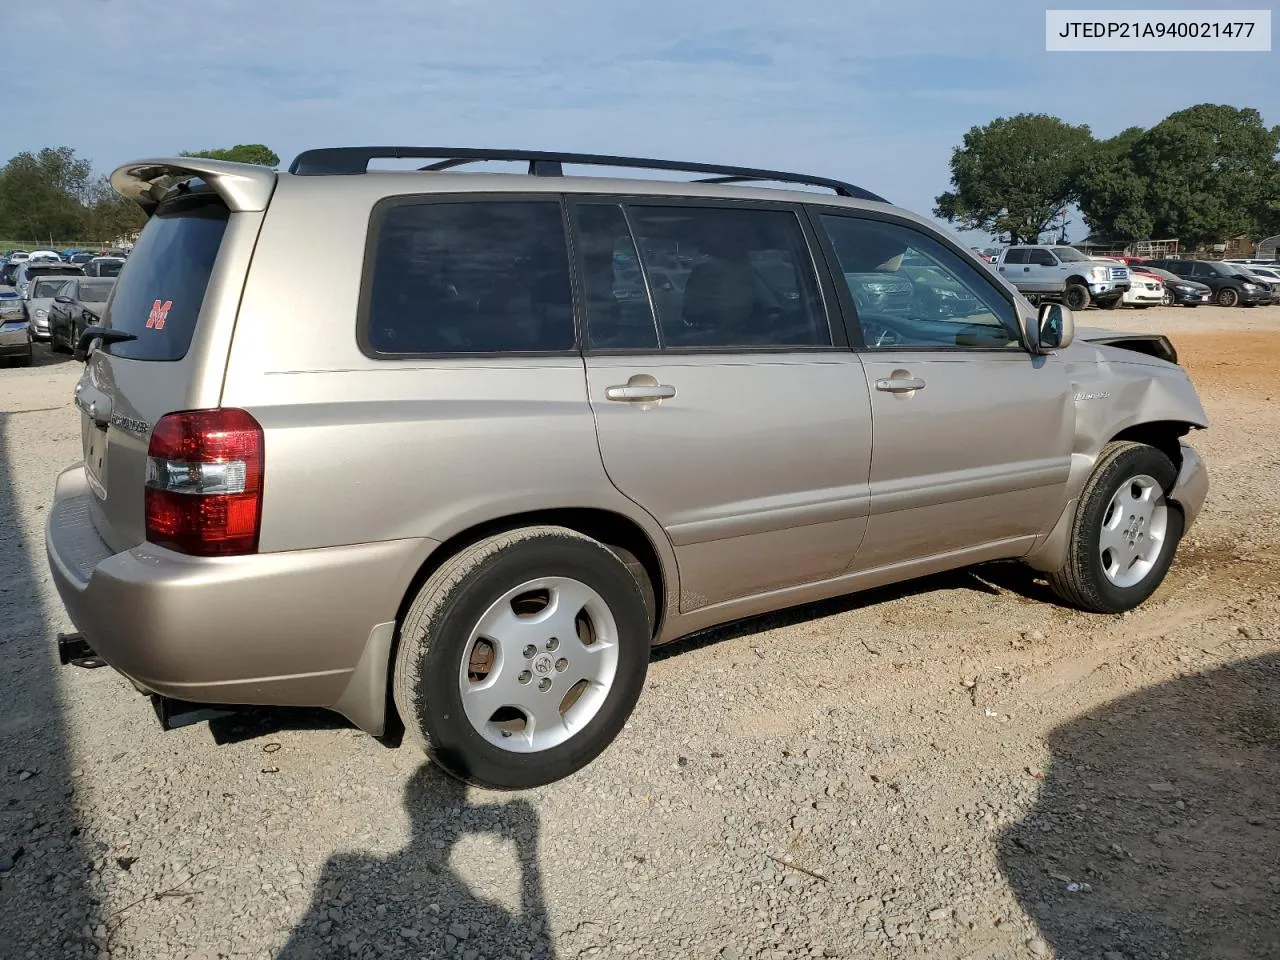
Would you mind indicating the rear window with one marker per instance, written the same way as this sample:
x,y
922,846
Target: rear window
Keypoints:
x,y
488,276
53,270
46,289
107,268
158,298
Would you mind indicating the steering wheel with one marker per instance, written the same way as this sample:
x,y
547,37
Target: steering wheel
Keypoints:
x,y
877,332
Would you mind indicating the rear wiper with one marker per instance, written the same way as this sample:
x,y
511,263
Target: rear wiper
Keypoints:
x,y
105,334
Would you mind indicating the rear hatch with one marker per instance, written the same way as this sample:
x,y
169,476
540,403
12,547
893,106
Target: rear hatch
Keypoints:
x,y
176,298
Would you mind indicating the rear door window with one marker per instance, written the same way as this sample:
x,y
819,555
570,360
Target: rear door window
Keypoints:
x,y
739,277
469,277
158,297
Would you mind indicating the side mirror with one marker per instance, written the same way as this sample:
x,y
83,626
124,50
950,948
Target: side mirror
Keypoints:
x,y
62,299
1056,326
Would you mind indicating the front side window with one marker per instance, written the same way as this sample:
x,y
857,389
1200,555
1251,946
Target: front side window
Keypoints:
x,y
487,276
911,290
731,278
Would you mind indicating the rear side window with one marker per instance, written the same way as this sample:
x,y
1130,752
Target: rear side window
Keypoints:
x,y
158,297
488,276
726,277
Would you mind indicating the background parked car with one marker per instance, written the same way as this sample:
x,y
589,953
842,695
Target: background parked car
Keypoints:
x,y
104,267
1251,275
1145,289
1229,288
1270,275
78,304
38,303
1186,293
31,269
80,257
15,340
10,269
49,255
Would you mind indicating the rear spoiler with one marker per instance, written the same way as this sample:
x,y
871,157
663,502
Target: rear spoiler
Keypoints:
x,y
243,187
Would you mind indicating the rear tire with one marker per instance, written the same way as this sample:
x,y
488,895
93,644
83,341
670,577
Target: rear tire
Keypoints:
x,y
1118,573
1227,297
1076,296
498,640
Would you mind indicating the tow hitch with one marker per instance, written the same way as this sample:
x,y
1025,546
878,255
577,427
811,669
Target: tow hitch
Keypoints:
x,y
74,649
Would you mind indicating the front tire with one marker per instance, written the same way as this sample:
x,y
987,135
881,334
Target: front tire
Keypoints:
x,y
1169,299
522,657
1125,531
1110,304
1227,297
1076,296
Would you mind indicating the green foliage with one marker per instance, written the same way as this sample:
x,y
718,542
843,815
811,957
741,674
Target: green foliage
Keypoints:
x,y
41,194
1112,194
240,153
1013,175
1211,171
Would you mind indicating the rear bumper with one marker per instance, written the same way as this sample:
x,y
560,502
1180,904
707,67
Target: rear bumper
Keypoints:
x,y
276,628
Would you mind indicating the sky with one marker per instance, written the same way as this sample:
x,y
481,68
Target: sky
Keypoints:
x,y
877,92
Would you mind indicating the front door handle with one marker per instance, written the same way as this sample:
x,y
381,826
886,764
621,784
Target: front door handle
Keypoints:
x,y
640,393
900,384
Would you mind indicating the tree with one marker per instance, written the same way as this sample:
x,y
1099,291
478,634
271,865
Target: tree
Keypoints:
x,y
240,153
1014,175
41,194
1211,172
1112,194
111,216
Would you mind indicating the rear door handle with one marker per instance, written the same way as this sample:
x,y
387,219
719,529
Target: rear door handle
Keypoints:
x,y
640,393
900,384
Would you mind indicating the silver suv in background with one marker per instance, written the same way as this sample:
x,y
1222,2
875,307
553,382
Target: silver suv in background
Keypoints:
x,y
1061,272
466,486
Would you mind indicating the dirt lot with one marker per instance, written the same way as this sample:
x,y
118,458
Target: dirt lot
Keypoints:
x,y
957,768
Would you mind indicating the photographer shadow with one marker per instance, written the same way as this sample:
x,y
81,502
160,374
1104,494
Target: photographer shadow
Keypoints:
x,y
413,904
1156,832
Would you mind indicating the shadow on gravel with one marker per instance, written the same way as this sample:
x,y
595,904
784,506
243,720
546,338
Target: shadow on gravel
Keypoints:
x,y
1164,804
413,904
991,579
45,904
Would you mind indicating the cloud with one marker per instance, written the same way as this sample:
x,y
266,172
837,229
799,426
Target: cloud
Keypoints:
x,y
876,92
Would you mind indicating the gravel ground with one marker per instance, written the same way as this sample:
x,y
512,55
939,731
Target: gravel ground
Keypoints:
x,y
954,768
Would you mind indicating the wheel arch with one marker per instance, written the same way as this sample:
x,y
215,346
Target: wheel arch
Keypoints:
x,y
1164,435
623,534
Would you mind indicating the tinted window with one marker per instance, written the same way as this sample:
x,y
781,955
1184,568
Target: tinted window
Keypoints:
x,y
166,280
1042,258
96,291
1016,255
107,268
478,277
723,277
911,290
619,315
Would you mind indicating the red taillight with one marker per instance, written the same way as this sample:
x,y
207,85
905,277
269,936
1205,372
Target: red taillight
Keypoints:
x,y
204,483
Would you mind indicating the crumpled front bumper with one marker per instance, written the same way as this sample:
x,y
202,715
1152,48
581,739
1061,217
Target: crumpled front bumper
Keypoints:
x,y
1192,486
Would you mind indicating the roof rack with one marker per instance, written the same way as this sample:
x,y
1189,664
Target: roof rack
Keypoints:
x,y
329,161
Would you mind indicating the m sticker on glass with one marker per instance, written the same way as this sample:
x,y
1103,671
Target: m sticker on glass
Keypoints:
x,y
159,310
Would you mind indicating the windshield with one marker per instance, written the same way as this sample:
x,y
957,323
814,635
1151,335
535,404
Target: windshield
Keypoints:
x,y
1069,254
95,291
47,288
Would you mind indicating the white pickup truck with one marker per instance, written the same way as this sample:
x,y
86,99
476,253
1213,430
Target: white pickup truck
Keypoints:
x,y
1058,272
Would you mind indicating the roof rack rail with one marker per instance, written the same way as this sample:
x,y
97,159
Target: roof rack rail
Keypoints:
x,y
329,161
